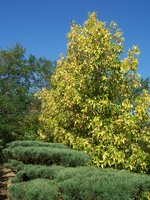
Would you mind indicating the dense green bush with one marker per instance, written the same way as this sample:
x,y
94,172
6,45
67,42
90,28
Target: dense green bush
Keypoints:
x,y
38,189
35,143
47,155
14,165
37,171
94,184
85,183
35,180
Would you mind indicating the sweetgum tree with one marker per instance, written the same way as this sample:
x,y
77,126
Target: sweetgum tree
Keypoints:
x,y
92,106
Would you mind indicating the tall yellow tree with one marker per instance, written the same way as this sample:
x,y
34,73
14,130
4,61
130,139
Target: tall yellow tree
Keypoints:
x,y
91,105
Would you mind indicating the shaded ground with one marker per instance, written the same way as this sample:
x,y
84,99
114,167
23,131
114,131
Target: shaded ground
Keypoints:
x,y
5,176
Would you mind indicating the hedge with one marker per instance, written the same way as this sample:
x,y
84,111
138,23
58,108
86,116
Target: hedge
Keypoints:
x,y
47,155
85,183
29,143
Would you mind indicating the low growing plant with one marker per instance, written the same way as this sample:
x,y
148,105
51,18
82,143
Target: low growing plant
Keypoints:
x,y
41,189
29,143
85,183
47,155
31,172
14,165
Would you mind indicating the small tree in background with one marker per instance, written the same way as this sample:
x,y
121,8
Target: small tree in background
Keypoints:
x,y
20,78
92,104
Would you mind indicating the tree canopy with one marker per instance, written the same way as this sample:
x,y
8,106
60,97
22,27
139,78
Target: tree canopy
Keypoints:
x,y
20,78
96,102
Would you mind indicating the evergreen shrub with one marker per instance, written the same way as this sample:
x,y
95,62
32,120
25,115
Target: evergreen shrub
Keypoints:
x,y
14,165
28,143
85,183
37,171
39,189
35,180
47,155
106,184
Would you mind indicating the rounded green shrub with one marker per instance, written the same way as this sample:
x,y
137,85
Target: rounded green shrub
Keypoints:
x,y
104,184
85,183
28,143
39,189
31,172
47,155
14,165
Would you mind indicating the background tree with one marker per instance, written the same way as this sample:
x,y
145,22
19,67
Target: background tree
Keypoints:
x,y
20,77
96,102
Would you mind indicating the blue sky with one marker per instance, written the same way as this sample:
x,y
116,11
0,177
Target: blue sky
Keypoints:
x,y
41,25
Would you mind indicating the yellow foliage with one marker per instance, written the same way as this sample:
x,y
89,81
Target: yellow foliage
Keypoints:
x,y
91,105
